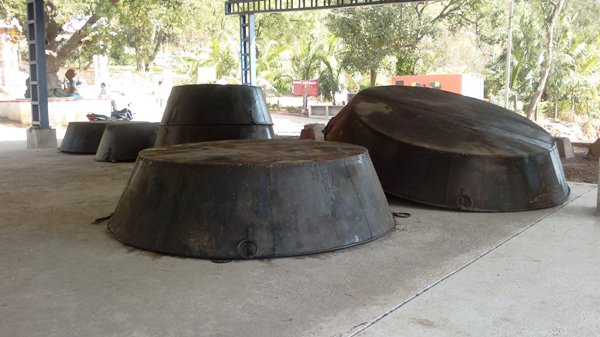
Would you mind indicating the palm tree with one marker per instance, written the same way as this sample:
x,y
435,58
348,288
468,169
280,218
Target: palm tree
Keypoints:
x,y
329,79
305,64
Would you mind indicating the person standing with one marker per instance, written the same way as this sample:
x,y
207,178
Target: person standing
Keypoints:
x,y
103,92
158,93
71,84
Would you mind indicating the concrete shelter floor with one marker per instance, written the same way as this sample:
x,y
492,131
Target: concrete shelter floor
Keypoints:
x,y
440,273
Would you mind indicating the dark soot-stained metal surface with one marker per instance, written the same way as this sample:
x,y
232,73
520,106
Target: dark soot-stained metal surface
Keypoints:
x,y
83,137
453,151
251,199
123,141
208,112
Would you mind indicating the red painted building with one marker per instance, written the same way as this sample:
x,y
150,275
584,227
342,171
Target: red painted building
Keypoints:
x,y
464,84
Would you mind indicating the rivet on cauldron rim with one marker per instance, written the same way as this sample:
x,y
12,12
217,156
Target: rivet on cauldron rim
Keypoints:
x,y
462,200
244,246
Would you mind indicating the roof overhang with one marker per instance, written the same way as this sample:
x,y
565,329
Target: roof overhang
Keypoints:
x,y
266,6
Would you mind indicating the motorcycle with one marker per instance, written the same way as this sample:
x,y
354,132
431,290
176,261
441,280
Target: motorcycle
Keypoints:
x,y
116,115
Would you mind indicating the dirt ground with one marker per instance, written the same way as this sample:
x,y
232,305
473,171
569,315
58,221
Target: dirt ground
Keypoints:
x,y
579,168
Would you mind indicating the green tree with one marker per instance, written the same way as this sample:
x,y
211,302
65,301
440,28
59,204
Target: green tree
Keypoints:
x,y
551,13
280,39
207,38
573,82
290,47
559,64
306,63
369,35
331,72
72,25
143,26
76,29
12,9
272,72
525,58
222,58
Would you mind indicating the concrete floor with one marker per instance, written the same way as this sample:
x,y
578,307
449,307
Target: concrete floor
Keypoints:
x,y
439,273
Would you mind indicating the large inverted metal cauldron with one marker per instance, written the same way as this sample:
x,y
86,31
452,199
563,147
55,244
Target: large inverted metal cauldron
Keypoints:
x,y
123,141
251,199
452,151
207,112
83,137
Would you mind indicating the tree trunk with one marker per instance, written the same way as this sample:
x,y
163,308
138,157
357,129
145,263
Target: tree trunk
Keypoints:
x,y
305,102
573,107
59,51
373,76
159,41
537,94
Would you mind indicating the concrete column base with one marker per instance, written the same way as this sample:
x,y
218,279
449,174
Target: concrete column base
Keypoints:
x,y
565,149
41,138
598,195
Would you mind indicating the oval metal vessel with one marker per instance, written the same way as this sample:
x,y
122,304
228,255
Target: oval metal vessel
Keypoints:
x,y
452,151
251,199
83,137
123,141
208,112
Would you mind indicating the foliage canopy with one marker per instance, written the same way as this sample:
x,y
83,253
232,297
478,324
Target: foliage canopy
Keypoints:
x,y
345,48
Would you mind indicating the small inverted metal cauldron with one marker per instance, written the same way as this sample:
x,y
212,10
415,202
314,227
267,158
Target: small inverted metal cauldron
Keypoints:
x,y
207,112
123,141
251,199
83,137
452,151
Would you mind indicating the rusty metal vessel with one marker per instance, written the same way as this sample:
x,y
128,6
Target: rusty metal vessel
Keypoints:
x,y
123,141
452,151
243,199
83,137
208,112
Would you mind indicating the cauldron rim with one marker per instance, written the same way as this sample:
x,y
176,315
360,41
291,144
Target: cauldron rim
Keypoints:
x,y
214,85
459,153
352,151
544,143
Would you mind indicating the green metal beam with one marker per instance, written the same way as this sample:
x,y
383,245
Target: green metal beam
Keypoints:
x,y
266,6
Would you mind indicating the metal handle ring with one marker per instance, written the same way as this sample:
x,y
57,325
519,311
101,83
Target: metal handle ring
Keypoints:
x,y
463,201
401,214
247,249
